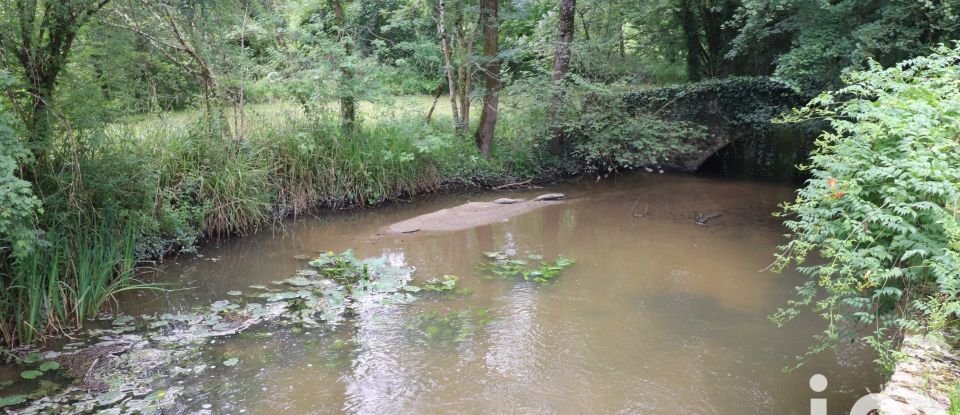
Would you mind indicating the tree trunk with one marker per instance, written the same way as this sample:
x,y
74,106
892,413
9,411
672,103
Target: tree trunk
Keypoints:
x,y
466,67
42,53
348,106
691,36
436,97
561,63
448,65
491,73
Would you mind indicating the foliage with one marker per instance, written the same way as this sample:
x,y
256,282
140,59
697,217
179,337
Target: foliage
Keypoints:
x,y
79,268
439,285
954,408
602,133
881,207
504,266
730,103
738,110
821,38
18,204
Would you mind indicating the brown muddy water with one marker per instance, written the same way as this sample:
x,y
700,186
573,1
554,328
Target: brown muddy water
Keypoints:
x,y
658,316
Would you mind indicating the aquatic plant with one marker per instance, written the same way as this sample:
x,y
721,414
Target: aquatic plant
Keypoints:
x,y
451,327
534,268
446,283
152,350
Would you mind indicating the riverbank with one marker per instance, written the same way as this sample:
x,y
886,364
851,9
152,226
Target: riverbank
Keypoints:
x,y
155,189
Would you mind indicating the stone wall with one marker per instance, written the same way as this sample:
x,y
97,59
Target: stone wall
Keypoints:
x,y
923,382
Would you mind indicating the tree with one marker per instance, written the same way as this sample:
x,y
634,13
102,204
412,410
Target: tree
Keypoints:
x,y
465,68
816,40
189,35
489,10
348,106
448,65
561,63
38,35
707,38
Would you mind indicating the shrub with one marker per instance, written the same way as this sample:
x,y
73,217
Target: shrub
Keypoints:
x,y
881,207
18,204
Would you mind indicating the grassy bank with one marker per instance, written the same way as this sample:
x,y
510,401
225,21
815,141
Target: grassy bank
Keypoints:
x,y
161,184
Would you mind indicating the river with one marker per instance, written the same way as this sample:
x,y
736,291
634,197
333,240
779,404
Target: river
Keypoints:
x,y
659,315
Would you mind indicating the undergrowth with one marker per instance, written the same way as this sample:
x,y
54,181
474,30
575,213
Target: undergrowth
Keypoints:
x,y
133,191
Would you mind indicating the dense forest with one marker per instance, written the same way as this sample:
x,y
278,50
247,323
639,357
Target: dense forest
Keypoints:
x,y
131,130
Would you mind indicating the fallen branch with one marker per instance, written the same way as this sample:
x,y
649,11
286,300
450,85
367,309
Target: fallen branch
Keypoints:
x,y
516,184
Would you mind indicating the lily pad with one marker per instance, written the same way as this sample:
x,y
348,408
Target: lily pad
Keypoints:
x,y
300,282
234,293
12,400
31,374
33,357
48,366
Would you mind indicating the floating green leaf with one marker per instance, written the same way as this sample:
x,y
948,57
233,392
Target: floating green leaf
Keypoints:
x,y
31,374
445,283
49,365
504,267
12,400
33,357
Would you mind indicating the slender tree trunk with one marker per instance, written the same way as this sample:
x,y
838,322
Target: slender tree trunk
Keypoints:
x,y
466,67
691,34
489,10
241,128
622,43
436,97
561,63
448,65
348,106
586,27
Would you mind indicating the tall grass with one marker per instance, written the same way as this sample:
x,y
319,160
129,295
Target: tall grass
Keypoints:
x,y
68,279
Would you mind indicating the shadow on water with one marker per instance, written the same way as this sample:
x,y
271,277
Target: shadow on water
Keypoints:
x,y
771,155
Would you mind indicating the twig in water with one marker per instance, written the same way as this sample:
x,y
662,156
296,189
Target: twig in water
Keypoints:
x,y
517,184
702,219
